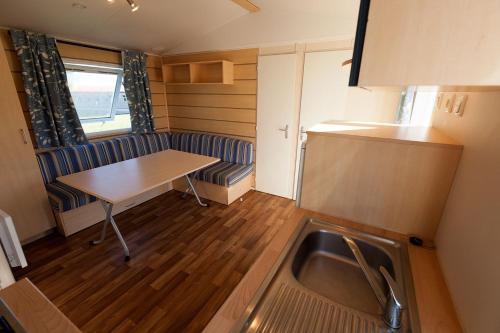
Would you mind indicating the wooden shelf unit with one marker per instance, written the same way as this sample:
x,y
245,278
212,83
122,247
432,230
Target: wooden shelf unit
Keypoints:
x,y
203,72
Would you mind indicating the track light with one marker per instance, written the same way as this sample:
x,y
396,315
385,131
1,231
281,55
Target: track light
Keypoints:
x,y
133,6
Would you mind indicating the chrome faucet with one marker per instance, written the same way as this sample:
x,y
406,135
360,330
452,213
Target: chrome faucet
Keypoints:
x,y
392,304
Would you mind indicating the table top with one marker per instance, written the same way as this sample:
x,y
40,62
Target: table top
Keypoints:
x,y
34,311
385,132
123,180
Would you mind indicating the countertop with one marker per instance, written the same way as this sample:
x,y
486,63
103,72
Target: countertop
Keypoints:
x,y
435,307
385,132
34,311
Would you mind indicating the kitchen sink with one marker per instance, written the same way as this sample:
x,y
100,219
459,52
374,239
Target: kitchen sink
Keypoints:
x,y
318,284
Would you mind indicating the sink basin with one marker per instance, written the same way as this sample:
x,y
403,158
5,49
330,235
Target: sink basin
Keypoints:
x,y
324,264
317,284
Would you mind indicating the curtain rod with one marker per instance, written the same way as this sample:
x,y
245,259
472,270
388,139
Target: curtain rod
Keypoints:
x,y
89,46
70,42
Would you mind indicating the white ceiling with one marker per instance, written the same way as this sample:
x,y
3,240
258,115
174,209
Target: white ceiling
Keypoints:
x,y
281,22
160,26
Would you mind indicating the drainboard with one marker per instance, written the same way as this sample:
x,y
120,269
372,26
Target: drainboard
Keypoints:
x,y
294,310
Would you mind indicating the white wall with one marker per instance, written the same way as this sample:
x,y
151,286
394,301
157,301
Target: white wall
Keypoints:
x,y
281,22
468,238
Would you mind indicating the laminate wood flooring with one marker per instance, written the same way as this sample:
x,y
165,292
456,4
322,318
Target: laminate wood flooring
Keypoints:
x,y
185,261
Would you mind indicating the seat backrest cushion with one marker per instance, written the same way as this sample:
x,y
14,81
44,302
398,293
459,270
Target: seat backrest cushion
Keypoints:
x,y
156,142
68,160
131,146
227,149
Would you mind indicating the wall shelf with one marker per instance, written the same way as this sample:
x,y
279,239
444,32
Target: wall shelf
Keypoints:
x,y
203,72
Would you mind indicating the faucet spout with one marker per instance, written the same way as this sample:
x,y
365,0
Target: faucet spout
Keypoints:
x,y
392,304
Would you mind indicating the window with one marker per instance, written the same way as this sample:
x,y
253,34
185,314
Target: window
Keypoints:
x,y
99,96
416,105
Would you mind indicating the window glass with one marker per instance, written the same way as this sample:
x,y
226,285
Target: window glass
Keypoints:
x,y
416,105
99,96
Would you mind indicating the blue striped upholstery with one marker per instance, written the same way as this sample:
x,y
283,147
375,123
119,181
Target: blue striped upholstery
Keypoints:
x,y
68,160
227,149
132,146
157,141
64,197
236,160
224,173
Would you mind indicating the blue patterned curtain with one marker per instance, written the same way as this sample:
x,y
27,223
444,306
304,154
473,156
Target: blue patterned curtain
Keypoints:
x,y
136,84
53,114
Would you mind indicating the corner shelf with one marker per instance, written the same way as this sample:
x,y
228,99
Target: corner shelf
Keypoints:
x,y
202,72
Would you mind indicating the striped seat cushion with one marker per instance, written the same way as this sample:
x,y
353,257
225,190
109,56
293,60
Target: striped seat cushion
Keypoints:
x,y
64,197
156,142
227,149
224,173
131,146
68,160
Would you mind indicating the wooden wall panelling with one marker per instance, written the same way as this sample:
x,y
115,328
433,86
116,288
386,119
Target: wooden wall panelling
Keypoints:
x,y
88,53
158,99
245,72
245,56
209,100
213,113
216,126
158,94
218,109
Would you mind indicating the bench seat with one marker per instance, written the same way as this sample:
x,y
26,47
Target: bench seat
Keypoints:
x,y
222,182
63,197
224,173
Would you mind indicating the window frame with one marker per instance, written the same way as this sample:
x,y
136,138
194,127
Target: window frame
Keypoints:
x,y
85,66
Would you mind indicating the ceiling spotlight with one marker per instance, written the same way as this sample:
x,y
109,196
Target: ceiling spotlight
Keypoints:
x,y
78,5
111,1
134,7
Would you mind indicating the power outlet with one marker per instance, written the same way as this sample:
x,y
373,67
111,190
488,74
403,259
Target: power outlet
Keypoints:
x,y
439,101
447,103
459,105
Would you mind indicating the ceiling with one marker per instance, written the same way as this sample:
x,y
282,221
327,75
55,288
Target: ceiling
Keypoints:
x,y
159,26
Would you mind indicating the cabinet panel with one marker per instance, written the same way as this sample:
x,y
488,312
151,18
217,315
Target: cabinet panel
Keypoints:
x,y
390,184
428,42
22,193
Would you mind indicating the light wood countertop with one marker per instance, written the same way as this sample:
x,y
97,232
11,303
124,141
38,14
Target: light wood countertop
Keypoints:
x,y
385,132
120,181
34,311
435,307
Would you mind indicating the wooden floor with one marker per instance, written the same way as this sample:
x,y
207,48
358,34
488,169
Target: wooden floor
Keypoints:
x,y
185,262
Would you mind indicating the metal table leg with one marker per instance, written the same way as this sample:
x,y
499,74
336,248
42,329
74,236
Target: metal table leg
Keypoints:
x,y
195,193
108,207
193,181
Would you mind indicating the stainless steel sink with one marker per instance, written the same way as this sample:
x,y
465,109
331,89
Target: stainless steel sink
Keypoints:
x,y
317,284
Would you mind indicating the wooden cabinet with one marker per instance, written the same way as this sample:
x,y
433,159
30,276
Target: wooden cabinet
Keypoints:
x,y
427,42
22,192
203,72
388,176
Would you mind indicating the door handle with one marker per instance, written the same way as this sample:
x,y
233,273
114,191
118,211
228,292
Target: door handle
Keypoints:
x,y
284,129
23,136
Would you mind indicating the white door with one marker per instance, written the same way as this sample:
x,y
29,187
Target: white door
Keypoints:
x,y
324,91
276,124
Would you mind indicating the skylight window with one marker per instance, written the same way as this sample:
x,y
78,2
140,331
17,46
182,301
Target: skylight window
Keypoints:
x,y
99,96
